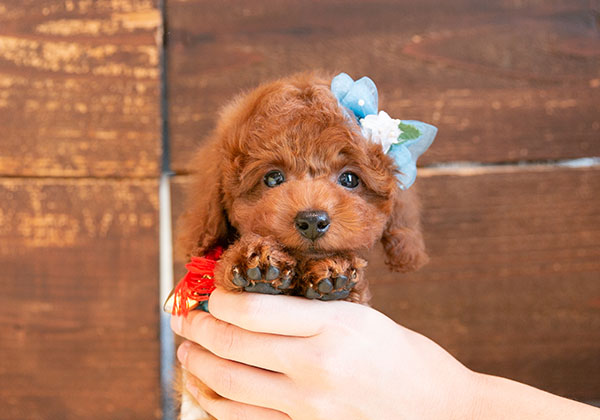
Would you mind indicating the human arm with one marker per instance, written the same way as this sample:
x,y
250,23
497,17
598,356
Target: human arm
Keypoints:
x,y
279,357
501,398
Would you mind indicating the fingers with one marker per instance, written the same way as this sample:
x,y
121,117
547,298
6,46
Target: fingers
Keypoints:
x,y
267,351
224,409
284,315
237,381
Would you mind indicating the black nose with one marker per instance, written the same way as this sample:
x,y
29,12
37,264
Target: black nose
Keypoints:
x,y
312,224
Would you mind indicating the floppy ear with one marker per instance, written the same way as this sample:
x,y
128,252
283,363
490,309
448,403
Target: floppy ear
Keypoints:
x,y
402,238
204,225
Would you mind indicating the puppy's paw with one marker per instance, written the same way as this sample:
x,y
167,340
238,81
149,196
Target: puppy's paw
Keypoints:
x,y
269,280
331,278
331,288
259,265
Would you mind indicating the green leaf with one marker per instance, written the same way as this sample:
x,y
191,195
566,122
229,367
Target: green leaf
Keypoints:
x,y
409,132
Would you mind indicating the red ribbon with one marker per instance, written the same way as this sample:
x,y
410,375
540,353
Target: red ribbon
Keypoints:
x,y
198,283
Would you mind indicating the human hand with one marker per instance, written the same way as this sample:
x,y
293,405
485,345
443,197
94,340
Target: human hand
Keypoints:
x,y
281,357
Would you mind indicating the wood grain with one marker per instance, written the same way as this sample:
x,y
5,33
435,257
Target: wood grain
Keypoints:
x,y
78,308
79,89
504,80
513,286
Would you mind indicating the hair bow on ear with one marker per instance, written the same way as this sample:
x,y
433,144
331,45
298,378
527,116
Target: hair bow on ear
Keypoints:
x,y
404,141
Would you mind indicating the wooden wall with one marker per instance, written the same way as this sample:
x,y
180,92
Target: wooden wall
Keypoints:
x,y
513,287
79,165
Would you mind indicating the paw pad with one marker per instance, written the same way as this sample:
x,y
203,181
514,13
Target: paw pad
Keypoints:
x,y
331,288
269,281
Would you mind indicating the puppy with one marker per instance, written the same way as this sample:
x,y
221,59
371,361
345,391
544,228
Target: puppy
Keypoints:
x,y
296,195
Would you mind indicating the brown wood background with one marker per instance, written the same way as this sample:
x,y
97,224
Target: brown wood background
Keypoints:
x,y
79,164
513,287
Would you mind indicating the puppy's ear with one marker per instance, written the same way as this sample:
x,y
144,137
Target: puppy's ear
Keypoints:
x,y
204,224
402,238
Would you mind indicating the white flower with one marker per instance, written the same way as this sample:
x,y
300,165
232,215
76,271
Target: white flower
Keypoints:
x,y
381,129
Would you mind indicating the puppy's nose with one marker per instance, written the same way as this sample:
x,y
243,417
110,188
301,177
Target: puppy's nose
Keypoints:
x,y
312,224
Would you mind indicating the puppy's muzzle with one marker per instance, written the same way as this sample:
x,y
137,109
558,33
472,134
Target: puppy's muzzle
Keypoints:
x,y
312,224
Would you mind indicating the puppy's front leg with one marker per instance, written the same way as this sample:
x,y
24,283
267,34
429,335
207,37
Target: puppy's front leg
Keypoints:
x,y
334,278
256,264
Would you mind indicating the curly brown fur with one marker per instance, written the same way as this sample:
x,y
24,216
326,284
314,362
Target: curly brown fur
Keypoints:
x,y
296,126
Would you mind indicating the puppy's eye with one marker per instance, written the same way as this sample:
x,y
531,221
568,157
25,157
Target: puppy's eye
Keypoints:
x,y
274,178
348,180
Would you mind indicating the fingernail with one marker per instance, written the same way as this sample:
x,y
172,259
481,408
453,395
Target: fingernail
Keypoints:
x,y
177,324
182,352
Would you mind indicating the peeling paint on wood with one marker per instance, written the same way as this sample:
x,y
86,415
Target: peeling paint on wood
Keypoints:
x,y
79,278
79,88
45,218
79,97
118,23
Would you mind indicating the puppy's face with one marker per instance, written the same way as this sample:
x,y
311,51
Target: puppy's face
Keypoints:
x,y
295,168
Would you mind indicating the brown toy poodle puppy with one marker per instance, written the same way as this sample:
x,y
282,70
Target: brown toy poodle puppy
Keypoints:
x,y
289,186
297,196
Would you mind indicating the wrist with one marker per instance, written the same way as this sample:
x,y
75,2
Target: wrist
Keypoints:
x,y
478,396
493,397
499,398
467,401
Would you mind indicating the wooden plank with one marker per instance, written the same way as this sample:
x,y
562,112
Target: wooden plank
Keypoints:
x,y
79,88
504,81
513,286
78,308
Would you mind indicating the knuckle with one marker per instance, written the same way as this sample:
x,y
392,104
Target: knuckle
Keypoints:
x,y
324,363
224,342
253,307
328,365
193,326
224,383
316,408
236,412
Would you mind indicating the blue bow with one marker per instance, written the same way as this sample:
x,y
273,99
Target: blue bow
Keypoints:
x,y
361,98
